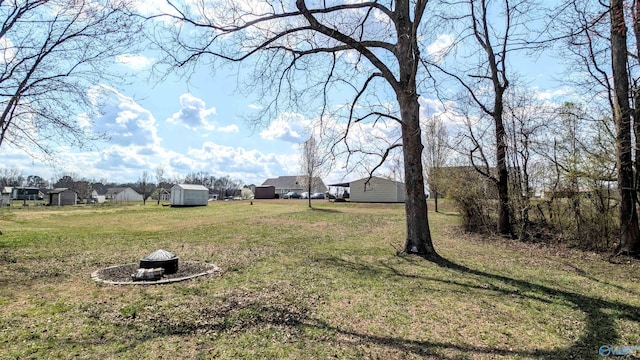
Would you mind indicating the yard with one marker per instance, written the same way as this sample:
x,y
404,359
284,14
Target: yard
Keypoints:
x,y
301,283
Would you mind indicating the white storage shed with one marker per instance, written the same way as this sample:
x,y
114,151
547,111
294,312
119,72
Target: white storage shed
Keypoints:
x,y
189,195
376,190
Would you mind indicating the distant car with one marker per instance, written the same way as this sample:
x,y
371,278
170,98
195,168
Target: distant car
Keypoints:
x,y
304,195
292,195
317,196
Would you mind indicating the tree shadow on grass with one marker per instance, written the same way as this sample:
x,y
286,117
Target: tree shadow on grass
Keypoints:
x,y
600,314
288,310
600,326
325,210
586,275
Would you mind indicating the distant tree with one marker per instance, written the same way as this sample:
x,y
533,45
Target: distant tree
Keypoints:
x,y
65,181
312,164
82,187
36,181
100,186
51,53
246,193
226,186
436,153
491,41
143,186
159,179
11,177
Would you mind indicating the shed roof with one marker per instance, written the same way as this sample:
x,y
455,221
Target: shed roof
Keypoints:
x,y
193,187
60,190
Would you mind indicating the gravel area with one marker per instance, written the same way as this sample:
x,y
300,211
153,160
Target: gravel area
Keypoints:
x,y
121,274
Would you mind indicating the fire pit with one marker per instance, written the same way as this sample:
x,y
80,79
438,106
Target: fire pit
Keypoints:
x,y
160,259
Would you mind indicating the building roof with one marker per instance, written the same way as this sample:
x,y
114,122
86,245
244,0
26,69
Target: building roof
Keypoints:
x,y
291,182
193,187
348,184
345,184
116,190
283,182
58,190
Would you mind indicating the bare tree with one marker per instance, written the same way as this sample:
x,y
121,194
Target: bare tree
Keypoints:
x,y
159,179
51,52
143,185
226,186
598,41
36,181
436,153
11,177
487,79
311,164
371,49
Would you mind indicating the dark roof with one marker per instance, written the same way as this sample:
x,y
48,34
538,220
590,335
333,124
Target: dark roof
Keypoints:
x,y
341,184
291,182
115,190
60,190
283,182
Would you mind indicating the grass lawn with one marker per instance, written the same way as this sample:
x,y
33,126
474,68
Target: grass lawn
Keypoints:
x,y
300,284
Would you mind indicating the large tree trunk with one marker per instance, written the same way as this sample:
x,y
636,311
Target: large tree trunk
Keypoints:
x,y
629,231
418,233
504,211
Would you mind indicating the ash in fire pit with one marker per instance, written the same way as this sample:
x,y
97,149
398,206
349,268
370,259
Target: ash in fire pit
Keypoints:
x,y
160,259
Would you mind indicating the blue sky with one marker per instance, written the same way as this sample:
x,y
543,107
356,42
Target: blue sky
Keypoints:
x,y
198,126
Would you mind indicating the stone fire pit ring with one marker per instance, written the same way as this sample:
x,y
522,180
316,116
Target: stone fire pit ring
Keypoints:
x,y
121,274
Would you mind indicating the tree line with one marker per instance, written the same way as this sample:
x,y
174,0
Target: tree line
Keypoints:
x,y
565,172
223,186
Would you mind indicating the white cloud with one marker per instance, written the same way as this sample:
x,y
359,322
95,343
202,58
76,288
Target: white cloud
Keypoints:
x,y
554,94
122,118
134,61
7,50
250,165
193,113
290,127
439,47
233,128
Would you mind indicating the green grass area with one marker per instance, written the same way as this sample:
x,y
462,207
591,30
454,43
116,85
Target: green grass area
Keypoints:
x,y
301,283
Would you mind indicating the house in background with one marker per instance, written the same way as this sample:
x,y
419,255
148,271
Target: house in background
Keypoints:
x,y
63,197
189,195
122,194
94,198
165,195
26,193
375,189
285,184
